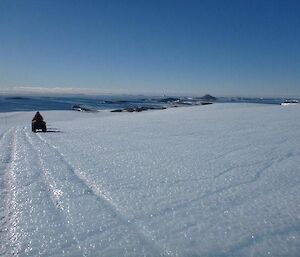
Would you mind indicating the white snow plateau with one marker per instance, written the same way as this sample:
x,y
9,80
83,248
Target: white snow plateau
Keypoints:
x,y
213,181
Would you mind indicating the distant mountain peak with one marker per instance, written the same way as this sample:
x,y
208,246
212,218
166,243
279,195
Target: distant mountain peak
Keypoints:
x,y
208,97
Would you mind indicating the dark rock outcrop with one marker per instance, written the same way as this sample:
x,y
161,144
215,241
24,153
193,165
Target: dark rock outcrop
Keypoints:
x,y
138,109
207,97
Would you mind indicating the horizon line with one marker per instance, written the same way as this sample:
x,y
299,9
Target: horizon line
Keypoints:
x,y
27,90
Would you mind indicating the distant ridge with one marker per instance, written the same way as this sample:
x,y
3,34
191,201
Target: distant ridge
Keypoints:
x,y
207,97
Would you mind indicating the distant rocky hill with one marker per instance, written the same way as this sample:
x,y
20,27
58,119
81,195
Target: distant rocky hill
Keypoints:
x,y
207,97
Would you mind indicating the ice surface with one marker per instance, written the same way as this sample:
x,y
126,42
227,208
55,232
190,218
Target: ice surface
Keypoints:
x,y
218,180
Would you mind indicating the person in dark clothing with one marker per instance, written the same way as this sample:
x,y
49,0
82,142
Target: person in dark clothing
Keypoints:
x,y
38,117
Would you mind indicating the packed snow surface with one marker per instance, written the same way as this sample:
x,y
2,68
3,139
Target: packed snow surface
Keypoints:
x,y
218,180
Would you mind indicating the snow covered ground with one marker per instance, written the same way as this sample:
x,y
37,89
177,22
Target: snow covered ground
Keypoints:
x,y
212,181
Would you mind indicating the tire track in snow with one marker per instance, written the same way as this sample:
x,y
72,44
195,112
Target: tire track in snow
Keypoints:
x,y
26,209
6,157
48,179
109,205
3,135
105,201
13,222
54,190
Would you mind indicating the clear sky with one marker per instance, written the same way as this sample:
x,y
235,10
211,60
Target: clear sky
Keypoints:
x,y
226,47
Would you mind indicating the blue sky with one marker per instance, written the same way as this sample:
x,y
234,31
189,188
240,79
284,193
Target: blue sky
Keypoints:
x,y
247,48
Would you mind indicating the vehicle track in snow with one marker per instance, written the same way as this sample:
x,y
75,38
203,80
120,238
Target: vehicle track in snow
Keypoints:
x,y
29,226
14,178
3,135
71,186
6,157
49,183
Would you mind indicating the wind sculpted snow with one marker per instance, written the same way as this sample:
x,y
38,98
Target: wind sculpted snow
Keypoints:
x,y
220,180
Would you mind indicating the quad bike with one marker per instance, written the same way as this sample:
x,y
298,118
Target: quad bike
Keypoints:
x,y
35,125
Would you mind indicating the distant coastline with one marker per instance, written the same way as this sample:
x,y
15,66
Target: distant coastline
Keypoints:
x,y
10,103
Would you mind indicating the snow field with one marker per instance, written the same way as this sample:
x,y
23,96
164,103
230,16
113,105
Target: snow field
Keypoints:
x,y
220,180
